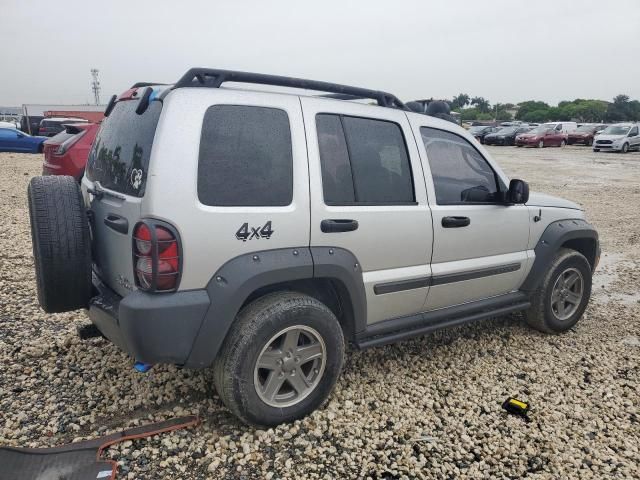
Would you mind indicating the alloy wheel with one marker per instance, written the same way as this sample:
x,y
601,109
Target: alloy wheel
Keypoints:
x,y
290,366
567,293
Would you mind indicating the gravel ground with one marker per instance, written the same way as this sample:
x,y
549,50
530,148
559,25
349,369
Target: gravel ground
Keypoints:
x,y
425,408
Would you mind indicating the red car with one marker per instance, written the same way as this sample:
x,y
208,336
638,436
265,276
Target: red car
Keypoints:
x,y
542,137
584,134
67,152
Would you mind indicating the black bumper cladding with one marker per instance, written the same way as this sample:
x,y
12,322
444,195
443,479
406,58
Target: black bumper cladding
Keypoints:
x,y
152,328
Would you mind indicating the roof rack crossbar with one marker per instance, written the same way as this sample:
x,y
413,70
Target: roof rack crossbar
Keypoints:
x,y
213,78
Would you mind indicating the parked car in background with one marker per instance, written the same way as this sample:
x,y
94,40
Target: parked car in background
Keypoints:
x,y
584,134
54,125
13,140
8,125
505,136
31,124
542,136
481,131
620,137
67,152
564,127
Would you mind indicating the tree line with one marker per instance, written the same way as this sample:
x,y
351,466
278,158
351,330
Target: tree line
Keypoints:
x,y
622,108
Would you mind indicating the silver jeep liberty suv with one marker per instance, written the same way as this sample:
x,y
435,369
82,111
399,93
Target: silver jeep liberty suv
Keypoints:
x,y
258,232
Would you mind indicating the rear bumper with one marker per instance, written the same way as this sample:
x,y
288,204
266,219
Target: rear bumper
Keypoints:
x,y
152,328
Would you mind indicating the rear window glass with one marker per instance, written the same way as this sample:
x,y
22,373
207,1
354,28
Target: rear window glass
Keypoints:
x,y
61,137
119,158
245,157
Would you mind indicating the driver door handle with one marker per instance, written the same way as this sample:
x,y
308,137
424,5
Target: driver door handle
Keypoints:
x,y
455,222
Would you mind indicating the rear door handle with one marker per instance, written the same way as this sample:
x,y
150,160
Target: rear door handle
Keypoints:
x,y
455,222
117,223
338,225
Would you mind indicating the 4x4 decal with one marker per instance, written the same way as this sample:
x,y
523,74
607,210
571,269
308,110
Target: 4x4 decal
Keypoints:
x,y
245,232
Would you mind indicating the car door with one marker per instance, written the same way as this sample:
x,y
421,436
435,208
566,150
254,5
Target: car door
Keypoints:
x,y
551,137
366,180
634,137
479,242
12,141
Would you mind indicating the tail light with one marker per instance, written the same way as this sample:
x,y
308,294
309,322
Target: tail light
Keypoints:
x,y
157,262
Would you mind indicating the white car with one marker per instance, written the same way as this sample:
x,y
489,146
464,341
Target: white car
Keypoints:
x,y
564,127
7,125
620,137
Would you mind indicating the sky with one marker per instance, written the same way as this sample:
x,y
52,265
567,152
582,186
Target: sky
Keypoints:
x,y
503,50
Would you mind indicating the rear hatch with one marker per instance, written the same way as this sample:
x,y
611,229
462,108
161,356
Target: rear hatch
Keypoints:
x,y
114,185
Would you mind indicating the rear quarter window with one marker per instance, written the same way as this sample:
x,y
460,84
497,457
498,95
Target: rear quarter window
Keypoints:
x,y
119,158
245,157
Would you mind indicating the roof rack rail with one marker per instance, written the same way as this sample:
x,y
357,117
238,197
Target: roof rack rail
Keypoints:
x,y
213,78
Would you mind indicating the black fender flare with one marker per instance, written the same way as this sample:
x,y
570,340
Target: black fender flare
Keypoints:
x,y
236,280
552,239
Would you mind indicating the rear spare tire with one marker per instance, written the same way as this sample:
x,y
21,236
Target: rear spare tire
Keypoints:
x,y
61,243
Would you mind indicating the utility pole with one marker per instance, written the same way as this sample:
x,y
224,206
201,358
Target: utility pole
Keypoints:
x,y
95,85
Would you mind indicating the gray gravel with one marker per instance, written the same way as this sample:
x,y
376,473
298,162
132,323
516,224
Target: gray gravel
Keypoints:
x,y
426,408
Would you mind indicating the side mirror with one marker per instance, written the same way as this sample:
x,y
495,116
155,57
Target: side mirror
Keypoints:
x,y
518,192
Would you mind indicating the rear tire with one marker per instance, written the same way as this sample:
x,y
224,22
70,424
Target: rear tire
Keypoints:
x,y
259,333
61,243
562,144
558,303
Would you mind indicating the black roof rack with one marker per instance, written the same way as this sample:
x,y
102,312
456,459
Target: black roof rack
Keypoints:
x,y
213,78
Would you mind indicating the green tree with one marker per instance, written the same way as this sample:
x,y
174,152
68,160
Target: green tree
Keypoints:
x,y
460,101
622,108
469,114
530,106
537,116
501,113
481,104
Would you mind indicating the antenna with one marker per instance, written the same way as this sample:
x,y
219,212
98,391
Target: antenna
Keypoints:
x,y
95,85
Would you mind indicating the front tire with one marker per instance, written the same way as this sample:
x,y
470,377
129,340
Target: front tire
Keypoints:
x,y
280,360
563,295
541,144
562,143
625,148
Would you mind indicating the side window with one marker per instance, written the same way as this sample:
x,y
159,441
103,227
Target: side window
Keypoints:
x,y
245,157
633,132
460,174
364,161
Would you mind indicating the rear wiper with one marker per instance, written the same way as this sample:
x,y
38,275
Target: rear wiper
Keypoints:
x,y
98,191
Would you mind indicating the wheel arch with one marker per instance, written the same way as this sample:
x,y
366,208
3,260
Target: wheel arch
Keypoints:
x,y
576,234
331,275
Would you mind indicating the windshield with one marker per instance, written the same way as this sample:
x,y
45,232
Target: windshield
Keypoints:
x,y
477,129
585,128
119,158
506,131
539,130
616,130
